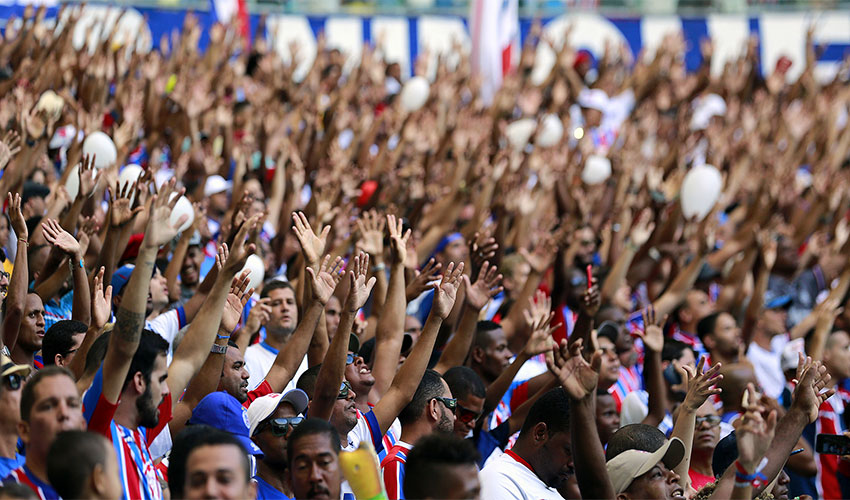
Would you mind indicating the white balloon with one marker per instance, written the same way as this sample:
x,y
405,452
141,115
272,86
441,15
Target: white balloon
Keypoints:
x,y
415,93
51,103
129,175
519,132
257,270
700,191
100,145
72,184
596,169
551,131
183,207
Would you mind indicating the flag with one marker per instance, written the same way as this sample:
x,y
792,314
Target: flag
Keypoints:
x,y
494,29
222,11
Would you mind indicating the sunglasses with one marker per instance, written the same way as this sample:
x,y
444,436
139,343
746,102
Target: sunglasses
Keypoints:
x,y
280,426
349,358
467,416
711,420
344,389
13,381
450,403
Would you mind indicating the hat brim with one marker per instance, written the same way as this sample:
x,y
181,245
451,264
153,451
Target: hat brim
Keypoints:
x,y
671,453
10,368
297,398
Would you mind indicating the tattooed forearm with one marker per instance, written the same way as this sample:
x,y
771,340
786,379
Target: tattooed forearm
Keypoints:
x,y
129,325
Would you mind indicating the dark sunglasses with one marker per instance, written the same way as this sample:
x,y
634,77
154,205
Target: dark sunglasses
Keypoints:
x,y
466,415
450,403
13,381
711,420
280,426
344,389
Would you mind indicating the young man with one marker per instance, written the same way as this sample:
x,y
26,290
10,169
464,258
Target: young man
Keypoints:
x,y
432,410
50,404
451,459
722,338
697,305
31,333
706,437
209,463
272,418
638,474
83,465
770,336
541,460
61,341
313,453
12,378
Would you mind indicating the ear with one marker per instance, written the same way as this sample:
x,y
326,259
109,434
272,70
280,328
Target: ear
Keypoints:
x,y
477,354
709,342
623,496
58,360
139,384
97,480
541,432
24,431
432,411
252,489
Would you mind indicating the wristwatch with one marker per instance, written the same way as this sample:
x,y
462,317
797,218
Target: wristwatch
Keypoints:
x,y
218,349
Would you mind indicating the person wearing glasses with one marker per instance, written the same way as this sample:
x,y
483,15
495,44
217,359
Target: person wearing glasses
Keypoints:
x,y
706,437
431,410
271,420
12,377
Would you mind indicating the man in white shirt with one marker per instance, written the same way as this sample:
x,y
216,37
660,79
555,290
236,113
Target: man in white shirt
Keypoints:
x,y
283,319
541,460
769,339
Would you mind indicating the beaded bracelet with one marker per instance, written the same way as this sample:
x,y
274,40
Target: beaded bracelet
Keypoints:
x,y
756,479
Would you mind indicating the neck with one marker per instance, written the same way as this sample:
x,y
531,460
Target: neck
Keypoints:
x,y
361,402
8,444
22,356
762,338
717,356
272,475
126,414
486,378
37,465
525,452
414,431
701,462
277,339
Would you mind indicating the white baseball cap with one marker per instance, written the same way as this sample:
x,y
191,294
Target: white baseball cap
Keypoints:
x,y
593,99
216,184
631,464
264,406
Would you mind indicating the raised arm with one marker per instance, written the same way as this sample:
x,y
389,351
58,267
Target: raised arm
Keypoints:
x,y
130,318
195,346
638,236
61,239
754,435
101,309
653,340
332,372
17,294
389,334
476,297
407,380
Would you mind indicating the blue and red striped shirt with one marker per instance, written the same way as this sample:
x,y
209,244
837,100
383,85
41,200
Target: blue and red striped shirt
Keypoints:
x,y
392,470
25,476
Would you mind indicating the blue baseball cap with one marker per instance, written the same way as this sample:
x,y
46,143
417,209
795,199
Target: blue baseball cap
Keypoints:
x,y
120,278
224,412
776,301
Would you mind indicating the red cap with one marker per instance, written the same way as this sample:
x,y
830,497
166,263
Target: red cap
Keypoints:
x,y
132,250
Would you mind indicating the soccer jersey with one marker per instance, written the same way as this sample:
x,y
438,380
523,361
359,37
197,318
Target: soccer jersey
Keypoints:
x,y
7,464
138,474
265,491
25,476
259,359
167,325
392,470
830,421
630,381
509,477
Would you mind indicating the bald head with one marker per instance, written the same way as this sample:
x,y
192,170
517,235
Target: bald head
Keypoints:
x,y
736,376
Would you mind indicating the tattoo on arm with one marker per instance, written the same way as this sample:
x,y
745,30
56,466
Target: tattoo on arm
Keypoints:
x,y
129,325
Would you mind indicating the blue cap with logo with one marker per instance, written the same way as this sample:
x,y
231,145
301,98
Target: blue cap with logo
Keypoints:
x,y
120,278
222,411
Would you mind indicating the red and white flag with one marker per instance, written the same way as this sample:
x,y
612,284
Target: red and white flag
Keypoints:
x,y
223,12
494,29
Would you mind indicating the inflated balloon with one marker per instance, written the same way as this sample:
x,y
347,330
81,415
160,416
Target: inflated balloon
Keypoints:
x,y
414,95
596,169
257,270
72,185
551,131
50,103
129,175
183,207
700,191
100,145
519,132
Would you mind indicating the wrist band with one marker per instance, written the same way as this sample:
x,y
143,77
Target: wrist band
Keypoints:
x,y
218,349
379,267
25,242
756,479
222,337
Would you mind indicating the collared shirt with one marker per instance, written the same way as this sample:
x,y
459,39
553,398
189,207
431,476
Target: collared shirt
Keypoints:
x,y
25,476
259,359
392,470
509,477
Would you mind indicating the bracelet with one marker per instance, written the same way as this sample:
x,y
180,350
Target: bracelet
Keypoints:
x,y
756,479
631,246
73,266
222,337
379,267
25,242
5,351
218,349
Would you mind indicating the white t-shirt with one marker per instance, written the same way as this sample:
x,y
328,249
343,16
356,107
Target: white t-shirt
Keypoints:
x,y
167,325
367,429
505,478
259,359
768,365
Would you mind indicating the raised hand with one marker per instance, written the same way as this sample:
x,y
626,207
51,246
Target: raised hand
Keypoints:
x,y
592,299
121,210
642,229
482,248
19,224
541,256
445,292
754,433
101,304
485,287
538,317
371,227
808,395
700,384
160,230
324,281
420,284
652,334
576,375
10,146
58,237
359,287
312,244
240,250
236,300
259,315
398,239
88,177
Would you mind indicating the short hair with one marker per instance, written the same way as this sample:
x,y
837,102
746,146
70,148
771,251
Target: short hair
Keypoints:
x,y
97,352
706,325
463,381
274,285
673,349
17,490
641,437
28,392
609,330
151,346
430,387
59,339
553,409
307,380
311,427
191,438
482,333
426,461
71,460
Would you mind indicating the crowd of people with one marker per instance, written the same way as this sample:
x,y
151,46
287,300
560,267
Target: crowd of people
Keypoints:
x,y
478,313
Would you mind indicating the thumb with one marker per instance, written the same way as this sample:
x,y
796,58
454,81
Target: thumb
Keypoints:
x,y
596,361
